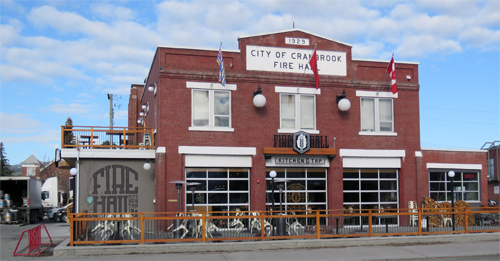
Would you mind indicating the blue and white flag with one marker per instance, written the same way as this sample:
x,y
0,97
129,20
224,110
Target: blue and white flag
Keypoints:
x,y
222,73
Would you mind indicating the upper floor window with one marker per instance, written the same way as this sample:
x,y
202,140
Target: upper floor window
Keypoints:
x,y
297,109
210,106
377,113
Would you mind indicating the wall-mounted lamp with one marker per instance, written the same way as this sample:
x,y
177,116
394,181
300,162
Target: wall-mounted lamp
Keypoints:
x,y
408,77
144,106
342,102
141,113
259,100
152,87
147,165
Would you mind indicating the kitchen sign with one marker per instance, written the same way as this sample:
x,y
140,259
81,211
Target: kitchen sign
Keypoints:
x,y
290,60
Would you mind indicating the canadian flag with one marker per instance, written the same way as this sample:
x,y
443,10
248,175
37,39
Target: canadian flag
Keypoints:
x,y
391,70
313,62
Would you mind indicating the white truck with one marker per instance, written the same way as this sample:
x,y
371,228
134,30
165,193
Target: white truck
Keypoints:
x,y
22,199
50,194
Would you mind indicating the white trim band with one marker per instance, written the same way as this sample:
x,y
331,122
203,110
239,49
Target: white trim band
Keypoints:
x,y
453,166
372,153
211,85
376,94
209,150
218,161
297,90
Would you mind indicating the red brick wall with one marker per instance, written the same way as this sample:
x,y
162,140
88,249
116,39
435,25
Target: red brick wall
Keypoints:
x,y
456,157
255,127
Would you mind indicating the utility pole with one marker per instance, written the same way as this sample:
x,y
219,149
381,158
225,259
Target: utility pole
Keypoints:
x,y
110,98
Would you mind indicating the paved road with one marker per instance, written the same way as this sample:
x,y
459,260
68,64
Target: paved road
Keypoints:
x,y
482,250
10,235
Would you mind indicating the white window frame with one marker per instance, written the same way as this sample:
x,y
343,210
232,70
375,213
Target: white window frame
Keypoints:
x,y
376,96
298,93
230,206
458,182
211,88
379,191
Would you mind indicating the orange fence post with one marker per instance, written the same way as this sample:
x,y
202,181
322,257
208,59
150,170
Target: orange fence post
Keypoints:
x,y
370,223
318,226
142,228
71,220
419,222
203,223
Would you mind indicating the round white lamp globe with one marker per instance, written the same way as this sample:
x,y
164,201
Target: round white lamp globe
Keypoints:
x,y
147,166
259,100
73,171
272,174
344,104
451,174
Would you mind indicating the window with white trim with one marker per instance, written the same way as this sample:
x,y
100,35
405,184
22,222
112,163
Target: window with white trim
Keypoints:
x,y
465,186
366,189
298,111
377,115
211,108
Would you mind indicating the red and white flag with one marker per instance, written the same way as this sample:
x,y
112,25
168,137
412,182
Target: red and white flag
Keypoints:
x,y
391,70
314,67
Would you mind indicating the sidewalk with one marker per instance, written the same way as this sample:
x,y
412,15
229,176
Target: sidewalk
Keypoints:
x,y
400,247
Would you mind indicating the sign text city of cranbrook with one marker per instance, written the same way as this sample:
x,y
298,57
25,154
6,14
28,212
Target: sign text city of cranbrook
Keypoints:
x,y
263,58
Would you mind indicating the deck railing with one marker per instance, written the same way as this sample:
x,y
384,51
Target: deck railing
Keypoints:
x,y
96,137
143,228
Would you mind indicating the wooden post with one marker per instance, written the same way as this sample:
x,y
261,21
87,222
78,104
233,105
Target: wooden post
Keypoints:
x,y
466,221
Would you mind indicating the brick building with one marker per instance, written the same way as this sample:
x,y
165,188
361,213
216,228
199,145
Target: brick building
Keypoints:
x,y
368,156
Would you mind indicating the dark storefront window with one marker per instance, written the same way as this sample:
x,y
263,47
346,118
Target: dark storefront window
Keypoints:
x,y
221,189
305,188
370,189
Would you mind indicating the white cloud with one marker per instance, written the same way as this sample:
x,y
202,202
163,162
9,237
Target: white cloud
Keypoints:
x,y
363,50
480,37
12,6
18,123
112,12
69,109
425,45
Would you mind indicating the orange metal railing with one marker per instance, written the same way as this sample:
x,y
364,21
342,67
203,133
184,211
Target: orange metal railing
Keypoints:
x,y
143,228
95,137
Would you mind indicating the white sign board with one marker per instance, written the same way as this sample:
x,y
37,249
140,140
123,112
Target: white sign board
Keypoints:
x,y
496,189
274,59
296,41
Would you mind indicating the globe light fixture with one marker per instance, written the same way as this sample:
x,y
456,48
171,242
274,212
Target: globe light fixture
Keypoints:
x,y
259,100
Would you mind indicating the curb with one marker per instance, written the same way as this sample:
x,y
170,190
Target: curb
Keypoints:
x,y
64,250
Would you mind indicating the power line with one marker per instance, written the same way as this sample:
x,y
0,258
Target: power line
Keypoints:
x,y
445,109
489,123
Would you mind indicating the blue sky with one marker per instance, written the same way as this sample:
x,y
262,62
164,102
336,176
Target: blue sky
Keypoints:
x,y
59,59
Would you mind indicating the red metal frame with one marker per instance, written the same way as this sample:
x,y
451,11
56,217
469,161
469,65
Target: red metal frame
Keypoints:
x,y
35,242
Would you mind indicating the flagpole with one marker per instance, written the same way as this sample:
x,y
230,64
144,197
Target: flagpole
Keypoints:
x,y
385,72
215,68
300,82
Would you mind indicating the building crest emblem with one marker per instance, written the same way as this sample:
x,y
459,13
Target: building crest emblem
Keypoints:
x,y
301,142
